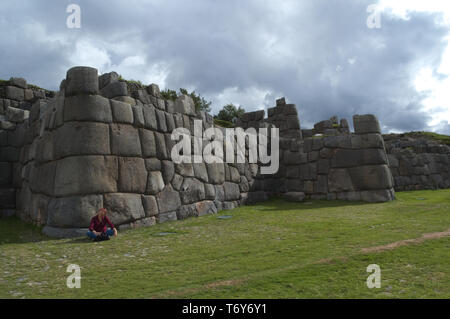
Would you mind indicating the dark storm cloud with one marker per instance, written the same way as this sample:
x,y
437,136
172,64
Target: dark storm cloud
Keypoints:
x,y
319,54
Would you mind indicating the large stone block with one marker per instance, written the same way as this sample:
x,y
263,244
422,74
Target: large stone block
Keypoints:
x,y
123,208
148,143
75,211
150,117
187,211
350,158
81,80
16,115
294,196
44,172
14,93
5,174
107,78
82,138
80,175
168,171
7,198
168,200
378,196
192,190
364,124
115,89
19,82
205,208
122,112
200,172
161,121
185,105
125,140
371,177
339,180
232,191
150,205
155,183
93,108
138,115
161,149
132,175
216,173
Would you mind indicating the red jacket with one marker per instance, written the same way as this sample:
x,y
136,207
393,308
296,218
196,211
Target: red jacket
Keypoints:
x,y
100,226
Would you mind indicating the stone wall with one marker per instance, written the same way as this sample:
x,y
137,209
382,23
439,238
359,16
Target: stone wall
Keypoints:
x,y
94,145
103,142
336,165
418,163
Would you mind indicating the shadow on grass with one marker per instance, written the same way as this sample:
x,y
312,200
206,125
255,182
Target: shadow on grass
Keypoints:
x,y
279,204
15,231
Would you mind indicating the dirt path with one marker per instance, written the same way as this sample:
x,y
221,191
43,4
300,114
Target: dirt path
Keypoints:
x,y
406,242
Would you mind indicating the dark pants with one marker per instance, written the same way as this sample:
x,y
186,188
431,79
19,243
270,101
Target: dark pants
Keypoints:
x,y
91,235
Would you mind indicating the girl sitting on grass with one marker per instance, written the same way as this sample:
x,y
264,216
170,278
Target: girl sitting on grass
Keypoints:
x,y
97,228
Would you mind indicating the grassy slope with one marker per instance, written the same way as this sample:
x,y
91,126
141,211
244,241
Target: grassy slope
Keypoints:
x,y
272,250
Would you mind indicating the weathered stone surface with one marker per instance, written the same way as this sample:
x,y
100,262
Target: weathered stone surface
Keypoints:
x,y
125,140
153,164
371,177
155,183
161,120
377,196
16,115
177,181
126,99
75,211
185,169
200,172
294,196
210,192
115,89
150,205
79,175
187,211
138,115
132,175
232,191
81,80
82,138
122,112
14,93
216,173
150,117
168,171
339,180
19,82
161,150
153,89
349,158
364,124
185,105
256,197
206,208
7,197
144,222
94,108
44,172
5,173
192,190
107,78
148,143
123,208
168,200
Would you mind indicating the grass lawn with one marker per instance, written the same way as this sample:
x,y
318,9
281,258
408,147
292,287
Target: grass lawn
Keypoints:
x,y
275,249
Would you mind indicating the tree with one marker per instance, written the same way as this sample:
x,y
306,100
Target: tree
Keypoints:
x,y
230,113
200,103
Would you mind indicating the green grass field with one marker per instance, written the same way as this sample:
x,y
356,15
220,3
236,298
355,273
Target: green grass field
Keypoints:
x,y
271,250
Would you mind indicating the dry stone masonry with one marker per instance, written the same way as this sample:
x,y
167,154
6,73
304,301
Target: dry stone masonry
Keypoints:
x,y
103,142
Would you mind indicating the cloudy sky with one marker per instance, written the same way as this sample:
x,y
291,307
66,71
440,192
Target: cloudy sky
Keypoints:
x,y
319,54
